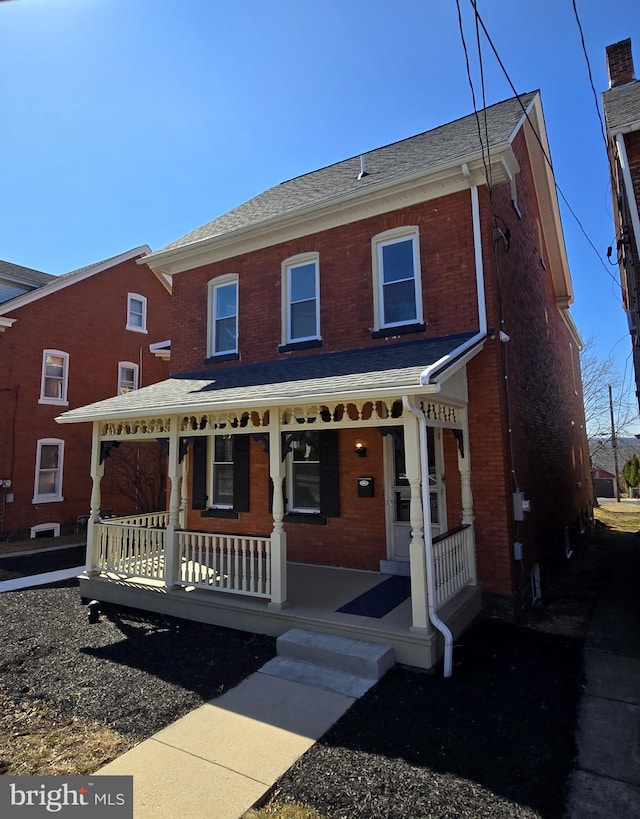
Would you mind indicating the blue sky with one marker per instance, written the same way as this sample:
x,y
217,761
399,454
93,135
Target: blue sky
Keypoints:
x,y
129,122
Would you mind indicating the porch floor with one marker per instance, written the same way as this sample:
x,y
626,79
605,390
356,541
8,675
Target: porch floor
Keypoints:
x,y
314,595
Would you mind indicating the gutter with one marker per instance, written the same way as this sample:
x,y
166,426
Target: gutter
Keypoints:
x,y
426,381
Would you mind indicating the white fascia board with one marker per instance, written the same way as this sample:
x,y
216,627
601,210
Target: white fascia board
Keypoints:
x,y
68,280
547,200
573,328
5,323
331,213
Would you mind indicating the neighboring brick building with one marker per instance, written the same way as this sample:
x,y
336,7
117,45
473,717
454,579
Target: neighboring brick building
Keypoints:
x,y
69,340
622,115
373,368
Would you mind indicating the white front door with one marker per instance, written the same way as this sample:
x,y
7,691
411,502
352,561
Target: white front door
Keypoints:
x,y
398,492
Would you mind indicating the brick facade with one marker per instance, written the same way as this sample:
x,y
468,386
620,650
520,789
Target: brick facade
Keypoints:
x,y
86,320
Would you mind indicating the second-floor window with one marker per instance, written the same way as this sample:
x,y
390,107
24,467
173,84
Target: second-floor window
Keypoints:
x,y
301,305
136,313
397,278
127,377
223,313
55,376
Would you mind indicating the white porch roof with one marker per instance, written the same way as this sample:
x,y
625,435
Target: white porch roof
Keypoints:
x,y
380,371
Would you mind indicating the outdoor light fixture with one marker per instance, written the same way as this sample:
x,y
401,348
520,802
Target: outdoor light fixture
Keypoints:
x,y
360,447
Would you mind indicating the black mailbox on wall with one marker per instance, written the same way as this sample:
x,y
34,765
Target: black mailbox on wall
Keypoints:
x,y
365,487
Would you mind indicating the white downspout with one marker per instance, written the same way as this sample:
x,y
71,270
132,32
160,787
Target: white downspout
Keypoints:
x,y
442,627
425,376
425,380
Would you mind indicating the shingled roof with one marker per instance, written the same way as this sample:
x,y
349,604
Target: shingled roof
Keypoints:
x,y
24,275
622,106
301,377
445,145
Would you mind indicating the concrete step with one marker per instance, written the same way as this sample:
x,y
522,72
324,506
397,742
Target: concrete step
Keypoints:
x,y
368,661
350,685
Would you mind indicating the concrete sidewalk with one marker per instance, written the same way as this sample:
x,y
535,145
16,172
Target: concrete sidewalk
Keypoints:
x,y
218,760
606,781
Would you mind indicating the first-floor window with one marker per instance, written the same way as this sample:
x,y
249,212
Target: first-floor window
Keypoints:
x,y
48,478
305,474
222,479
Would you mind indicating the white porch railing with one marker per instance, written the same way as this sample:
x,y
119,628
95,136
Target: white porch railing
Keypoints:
x,y
130,550
453,553
157,520
232,563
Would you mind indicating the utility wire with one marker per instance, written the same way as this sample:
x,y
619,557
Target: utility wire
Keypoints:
x,y
593,89
535,133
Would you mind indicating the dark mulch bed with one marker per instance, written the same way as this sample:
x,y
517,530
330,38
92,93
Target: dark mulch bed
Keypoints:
x,y
45,561
496,740
133,671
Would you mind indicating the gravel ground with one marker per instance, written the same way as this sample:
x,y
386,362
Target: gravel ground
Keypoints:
x,y
496,740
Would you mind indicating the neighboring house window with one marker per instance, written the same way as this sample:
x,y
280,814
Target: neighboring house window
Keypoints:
x,y
136,313
48,478
220,475
55,375
127,377
223,316
397,279
301,303
45,530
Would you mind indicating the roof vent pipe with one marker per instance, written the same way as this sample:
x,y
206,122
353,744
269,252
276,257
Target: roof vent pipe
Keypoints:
x,y
363,170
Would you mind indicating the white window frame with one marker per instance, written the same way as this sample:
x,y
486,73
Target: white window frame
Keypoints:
x,y
43,527
212,476
122,386
378,243
137,328
301,260
304,510
56,496
44,399
213,286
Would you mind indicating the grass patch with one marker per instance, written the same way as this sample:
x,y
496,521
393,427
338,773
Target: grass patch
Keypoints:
x,y
288,810
35,740
621,517
28,545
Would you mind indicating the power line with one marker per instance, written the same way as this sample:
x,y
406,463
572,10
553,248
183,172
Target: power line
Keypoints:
x,y
593,89
535,133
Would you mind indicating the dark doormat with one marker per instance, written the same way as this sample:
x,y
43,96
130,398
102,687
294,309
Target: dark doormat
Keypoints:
x,y
381,599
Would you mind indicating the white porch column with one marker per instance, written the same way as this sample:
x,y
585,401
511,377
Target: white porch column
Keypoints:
x,y
417,564
174,474
278,535
464,466
184,491
97,471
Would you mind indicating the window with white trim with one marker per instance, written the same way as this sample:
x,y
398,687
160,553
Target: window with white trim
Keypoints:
x,y
127,377
48,473
301,302
45,530
397,278
222,472
55,377
136,313
223,315
304,473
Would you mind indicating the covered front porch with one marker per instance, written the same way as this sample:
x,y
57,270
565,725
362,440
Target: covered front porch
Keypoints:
x,y
225,580
268,565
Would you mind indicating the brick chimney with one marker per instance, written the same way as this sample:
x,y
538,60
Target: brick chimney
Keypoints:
x,y
620,63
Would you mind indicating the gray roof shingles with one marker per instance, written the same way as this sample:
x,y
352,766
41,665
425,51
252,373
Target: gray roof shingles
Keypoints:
x,y
25,275
301,377
440,146
622,106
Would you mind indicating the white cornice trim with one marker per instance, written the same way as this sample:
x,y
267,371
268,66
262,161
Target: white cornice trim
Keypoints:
x,y
5,323
73,278
331,213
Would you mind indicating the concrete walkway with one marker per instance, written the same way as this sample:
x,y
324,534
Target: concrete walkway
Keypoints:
x,y
39,579
606,781
218,760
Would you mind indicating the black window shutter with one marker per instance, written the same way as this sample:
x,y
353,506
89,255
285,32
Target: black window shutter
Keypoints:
x,y
199,476
241,473
329,475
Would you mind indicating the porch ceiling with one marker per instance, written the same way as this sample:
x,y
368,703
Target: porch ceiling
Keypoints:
x,y
378,371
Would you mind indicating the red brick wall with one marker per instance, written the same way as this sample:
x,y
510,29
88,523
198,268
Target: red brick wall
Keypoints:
x,y
86,320
346,286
